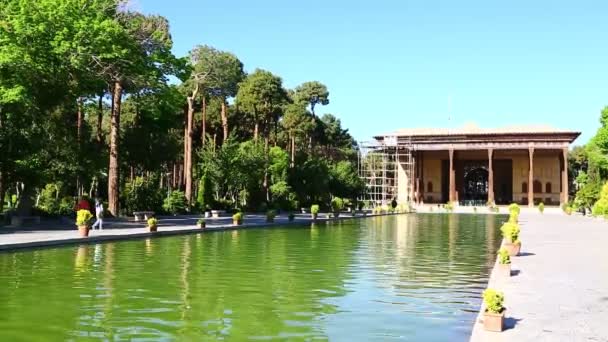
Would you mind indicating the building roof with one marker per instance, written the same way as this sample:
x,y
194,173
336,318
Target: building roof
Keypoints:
x,y
472,129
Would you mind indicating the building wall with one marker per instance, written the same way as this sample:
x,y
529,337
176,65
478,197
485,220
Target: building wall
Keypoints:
x,y
432,173
547,169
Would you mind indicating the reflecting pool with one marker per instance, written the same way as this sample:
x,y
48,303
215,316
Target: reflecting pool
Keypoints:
x,y
408,277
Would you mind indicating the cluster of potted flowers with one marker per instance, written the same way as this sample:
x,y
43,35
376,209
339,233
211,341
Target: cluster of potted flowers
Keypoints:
x,y
494,314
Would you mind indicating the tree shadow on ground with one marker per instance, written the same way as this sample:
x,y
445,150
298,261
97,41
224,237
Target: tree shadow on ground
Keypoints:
x,y
511,322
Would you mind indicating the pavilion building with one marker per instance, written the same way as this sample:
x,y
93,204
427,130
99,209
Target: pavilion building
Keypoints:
x,y
468,166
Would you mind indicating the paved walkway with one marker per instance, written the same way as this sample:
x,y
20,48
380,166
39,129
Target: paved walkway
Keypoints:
x,y
57,233
559,287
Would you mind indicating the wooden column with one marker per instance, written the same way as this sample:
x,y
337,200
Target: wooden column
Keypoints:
x,y
490,176
531,178
452,177
565,176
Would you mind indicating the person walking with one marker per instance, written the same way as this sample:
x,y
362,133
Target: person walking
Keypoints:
x,y
98,214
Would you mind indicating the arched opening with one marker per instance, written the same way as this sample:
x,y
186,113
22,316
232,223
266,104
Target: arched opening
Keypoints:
x,y
538,187
548,188
429,187
524,187
476,185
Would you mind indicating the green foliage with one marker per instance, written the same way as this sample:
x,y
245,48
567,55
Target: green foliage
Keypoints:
x,y
204,196
291,217
510,231
312,93
200,221
449,207
377,210
175,203
494,301
513,217
142,195
541,207
270,215
601,206
503,256
238,217
314,209
83,217
337,204
152,222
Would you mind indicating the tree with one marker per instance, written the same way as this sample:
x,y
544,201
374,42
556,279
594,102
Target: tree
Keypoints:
x,y
312,93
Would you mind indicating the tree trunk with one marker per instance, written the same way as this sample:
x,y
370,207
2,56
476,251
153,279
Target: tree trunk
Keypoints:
x,y
113,188
100,119
188,146
266,185
224,119
79,119
293,150
256,130
204,119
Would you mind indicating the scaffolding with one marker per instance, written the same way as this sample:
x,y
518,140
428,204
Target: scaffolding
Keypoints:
x,y
386,167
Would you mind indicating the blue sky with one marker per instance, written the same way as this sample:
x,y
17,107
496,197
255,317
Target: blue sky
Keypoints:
x,y
392,64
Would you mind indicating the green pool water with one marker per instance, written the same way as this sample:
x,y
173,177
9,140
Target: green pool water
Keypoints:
x,y
409,277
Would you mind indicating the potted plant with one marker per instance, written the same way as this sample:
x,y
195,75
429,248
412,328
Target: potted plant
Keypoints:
x,y
541,207
237,219
504,262
291,217
494,314
152,224
201,223
337,204
314,211
568,210
510,233
270,215
83,221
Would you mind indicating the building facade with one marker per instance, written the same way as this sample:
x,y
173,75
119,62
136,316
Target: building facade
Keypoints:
x,y
469,166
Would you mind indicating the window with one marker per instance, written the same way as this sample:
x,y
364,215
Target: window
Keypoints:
x,y
429,187
524,187
538,187
548,188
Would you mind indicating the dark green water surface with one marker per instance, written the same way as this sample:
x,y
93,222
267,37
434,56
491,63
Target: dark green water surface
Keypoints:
x,y
409,277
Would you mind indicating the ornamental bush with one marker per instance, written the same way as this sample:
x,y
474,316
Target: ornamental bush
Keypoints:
x,y
152,222
494,301
238,217
541,207
600,208
503,257
175,203
514,208
83,217
337,204
270,215
314,209
510,231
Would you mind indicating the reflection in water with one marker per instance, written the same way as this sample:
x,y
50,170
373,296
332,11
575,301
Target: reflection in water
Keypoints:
x,y
414,276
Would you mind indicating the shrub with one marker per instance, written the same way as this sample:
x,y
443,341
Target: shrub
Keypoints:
x,y
152,222
175,203
569,211
270,215
391,210
200,221
449,206
503,256
377,210
83,217
204,196
510,231
514,208
238,217
360,205
142,195
337,204
314,209
601,206
513,217
541,207
494,301
291,217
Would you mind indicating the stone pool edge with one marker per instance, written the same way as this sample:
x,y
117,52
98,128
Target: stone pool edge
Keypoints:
x,y
9,247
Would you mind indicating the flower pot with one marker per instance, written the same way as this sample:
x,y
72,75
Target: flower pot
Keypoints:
x,y
236,222
314,216
201,225
504,270
152,229
336,214
83,230
513,248
493,322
